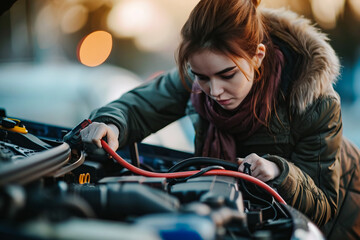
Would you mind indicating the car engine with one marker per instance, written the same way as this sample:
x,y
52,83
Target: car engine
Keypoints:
x,y
53,186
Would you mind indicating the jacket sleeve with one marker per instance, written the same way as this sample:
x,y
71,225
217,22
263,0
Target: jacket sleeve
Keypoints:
x,y
146,109
309,180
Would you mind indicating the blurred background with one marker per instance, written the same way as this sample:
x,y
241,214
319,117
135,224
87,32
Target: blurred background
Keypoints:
x,y
60,59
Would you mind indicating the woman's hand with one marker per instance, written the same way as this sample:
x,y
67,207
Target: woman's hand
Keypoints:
x,y
96,131
261,168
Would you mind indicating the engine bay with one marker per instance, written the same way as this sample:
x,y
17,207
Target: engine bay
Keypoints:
x,y
56,189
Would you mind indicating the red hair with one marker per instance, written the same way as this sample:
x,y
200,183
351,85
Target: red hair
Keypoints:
x,y
234,28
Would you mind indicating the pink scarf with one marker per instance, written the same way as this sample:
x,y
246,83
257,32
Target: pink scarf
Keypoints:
x,y
227,127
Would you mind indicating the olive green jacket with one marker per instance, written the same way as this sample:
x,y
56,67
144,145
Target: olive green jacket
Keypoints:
x,y
305,135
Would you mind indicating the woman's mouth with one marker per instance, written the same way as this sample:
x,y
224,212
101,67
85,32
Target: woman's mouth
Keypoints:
x,y
224,102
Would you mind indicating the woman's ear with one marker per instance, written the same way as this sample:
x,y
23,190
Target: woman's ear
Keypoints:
x,y
259,55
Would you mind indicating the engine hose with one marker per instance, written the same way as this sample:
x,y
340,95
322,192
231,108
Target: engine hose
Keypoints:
x,y
228,173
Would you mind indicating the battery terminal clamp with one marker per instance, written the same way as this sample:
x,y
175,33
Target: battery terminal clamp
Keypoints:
x,y
73,137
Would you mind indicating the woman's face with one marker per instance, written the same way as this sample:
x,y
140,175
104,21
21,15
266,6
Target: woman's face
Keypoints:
x,y
220,78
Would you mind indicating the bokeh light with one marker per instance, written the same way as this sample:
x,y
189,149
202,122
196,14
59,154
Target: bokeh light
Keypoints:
x,y
147,22
355,6
46,27
130,18
326,12
95,48
74,18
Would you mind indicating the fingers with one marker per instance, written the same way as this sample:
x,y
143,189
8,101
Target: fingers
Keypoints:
x,y
98,134
256,173
97,131
112,140
260,168
241,165
250,159
84,133
113,136
92,134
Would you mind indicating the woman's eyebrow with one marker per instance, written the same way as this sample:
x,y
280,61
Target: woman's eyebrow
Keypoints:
x,y
225,70
218,73
195,73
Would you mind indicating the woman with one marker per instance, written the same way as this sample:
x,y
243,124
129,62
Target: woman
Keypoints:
x,y
262,94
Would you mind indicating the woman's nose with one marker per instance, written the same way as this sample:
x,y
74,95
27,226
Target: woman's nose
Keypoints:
x,y
215,88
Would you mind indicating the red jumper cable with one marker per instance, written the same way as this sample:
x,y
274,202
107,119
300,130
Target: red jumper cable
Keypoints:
x,y
229,173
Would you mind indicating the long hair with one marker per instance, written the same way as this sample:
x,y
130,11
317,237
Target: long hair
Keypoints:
x,y
234,28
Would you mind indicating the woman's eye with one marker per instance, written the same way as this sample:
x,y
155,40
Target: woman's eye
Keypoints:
x,y
203,78
228,76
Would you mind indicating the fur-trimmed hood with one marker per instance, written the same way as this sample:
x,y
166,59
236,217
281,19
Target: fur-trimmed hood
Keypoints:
x,y
321,65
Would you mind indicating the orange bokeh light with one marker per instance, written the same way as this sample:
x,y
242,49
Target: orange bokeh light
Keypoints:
x,y
95,48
